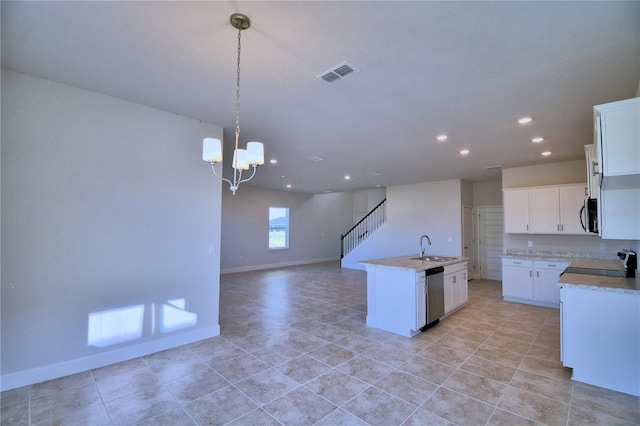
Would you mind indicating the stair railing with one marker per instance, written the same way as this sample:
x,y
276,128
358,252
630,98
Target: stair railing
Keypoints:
x,y
364,228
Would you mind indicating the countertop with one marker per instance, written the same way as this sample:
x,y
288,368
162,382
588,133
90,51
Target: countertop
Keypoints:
x,y
409,262
596,282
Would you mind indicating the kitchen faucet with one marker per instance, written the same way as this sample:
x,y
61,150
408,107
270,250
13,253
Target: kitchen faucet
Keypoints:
x,y
421,247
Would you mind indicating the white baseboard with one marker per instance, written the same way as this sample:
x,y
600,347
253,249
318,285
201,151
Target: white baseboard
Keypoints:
x,y
78,365
276,265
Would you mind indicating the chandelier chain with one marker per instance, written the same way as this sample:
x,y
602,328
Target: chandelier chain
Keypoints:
x,y
238,87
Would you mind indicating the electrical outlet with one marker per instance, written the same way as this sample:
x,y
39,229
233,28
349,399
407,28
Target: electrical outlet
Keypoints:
x,y
212,248
529,243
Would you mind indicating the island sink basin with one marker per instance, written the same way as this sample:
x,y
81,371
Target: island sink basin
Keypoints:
x,y
434,258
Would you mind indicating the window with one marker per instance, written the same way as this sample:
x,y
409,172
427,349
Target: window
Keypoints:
x,y
278,227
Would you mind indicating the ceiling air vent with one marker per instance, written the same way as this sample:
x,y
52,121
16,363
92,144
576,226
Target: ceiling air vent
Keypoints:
x,y
338,72
493,168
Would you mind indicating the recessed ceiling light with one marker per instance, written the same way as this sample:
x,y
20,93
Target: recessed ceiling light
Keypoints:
x,y
347,177
442,138
546,153
288,185
283,176
537,140
464,151
374,174
525,120
314,158
273,161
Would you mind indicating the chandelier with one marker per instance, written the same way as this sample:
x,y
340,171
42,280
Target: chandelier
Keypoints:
x,y
243,159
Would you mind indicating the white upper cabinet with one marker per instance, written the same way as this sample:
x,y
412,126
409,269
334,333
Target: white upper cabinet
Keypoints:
x,y
544,210
617,140
516,211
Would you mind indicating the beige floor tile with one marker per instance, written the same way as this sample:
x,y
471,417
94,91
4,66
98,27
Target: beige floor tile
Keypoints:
x,y
534,407
544,352
299,407
220,407
559,390
508,344
240,368
422,417
336,386
303,368
445,355
427,369
477,387
553,369
504,418
366,369
379,408
196,385
501,356
340,417
407,387
458,408
488,369
611,403
266,386
141,406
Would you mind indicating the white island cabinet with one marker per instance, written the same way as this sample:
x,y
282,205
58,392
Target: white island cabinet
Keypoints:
x,y
396,292
600,331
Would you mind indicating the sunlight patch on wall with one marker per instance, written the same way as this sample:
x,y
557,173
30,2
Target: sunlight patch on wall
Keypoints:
x,y
114,326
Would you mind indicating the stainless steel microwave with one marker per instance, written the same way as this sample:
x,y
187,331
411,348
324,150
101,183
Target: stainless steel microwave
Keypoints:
x,y
589,215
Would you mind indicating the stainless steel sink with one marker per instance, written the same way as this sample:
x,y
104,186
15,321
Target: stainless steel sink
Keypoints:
x,y
434,258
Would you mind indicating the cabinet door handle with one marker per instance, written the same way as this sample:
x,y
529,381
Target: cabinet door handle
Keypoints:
x,y
517,263
454,279
530,273
537,274
527,227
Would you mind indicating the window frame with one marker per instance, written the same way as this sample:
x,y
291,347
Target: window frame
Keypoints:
x,y
286,229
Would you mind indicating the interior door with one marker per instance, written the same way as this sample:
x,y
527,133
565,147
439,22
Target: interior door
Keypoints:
x,y
489,242
468,227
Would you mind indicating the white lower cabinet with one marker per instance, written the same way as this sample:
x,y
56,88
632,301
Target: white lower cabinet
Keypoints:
x,y
600,337
456,285
532,281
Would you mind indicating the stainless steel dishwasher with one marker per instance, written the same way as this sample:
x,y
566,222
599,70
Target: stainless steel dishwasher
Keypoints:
x,y
435,295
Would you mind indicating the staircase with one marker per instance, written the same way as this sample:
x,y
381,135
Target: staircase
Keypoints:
x,y
364,228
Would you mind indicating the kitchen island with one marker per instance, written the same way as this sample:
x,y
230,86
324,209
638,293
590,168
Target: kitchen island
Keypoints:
x,y
396,293
600,326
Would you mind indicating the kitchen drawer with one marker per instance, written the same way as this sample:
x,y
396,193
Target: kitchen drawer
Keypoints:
x,y
522,263
450,269
549,264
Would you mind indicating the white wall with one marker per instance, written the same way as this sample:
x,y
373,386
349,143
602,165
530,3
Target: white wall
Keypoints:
x,y
433,208
556,174
366,200
315,222
487,193
105,204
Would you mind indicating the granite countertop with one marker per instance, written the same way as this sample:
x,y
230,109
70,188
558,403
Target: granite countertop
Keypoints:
x,y
597,282
556,257
410,262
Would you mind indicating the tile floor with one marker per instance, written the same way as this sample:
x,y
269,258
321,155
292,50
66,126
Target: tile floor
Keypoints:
x,y
295,350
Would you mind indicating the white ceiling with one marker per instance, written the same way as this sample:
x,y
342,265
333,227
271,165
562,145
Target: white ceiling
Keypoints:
x,y
467,69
